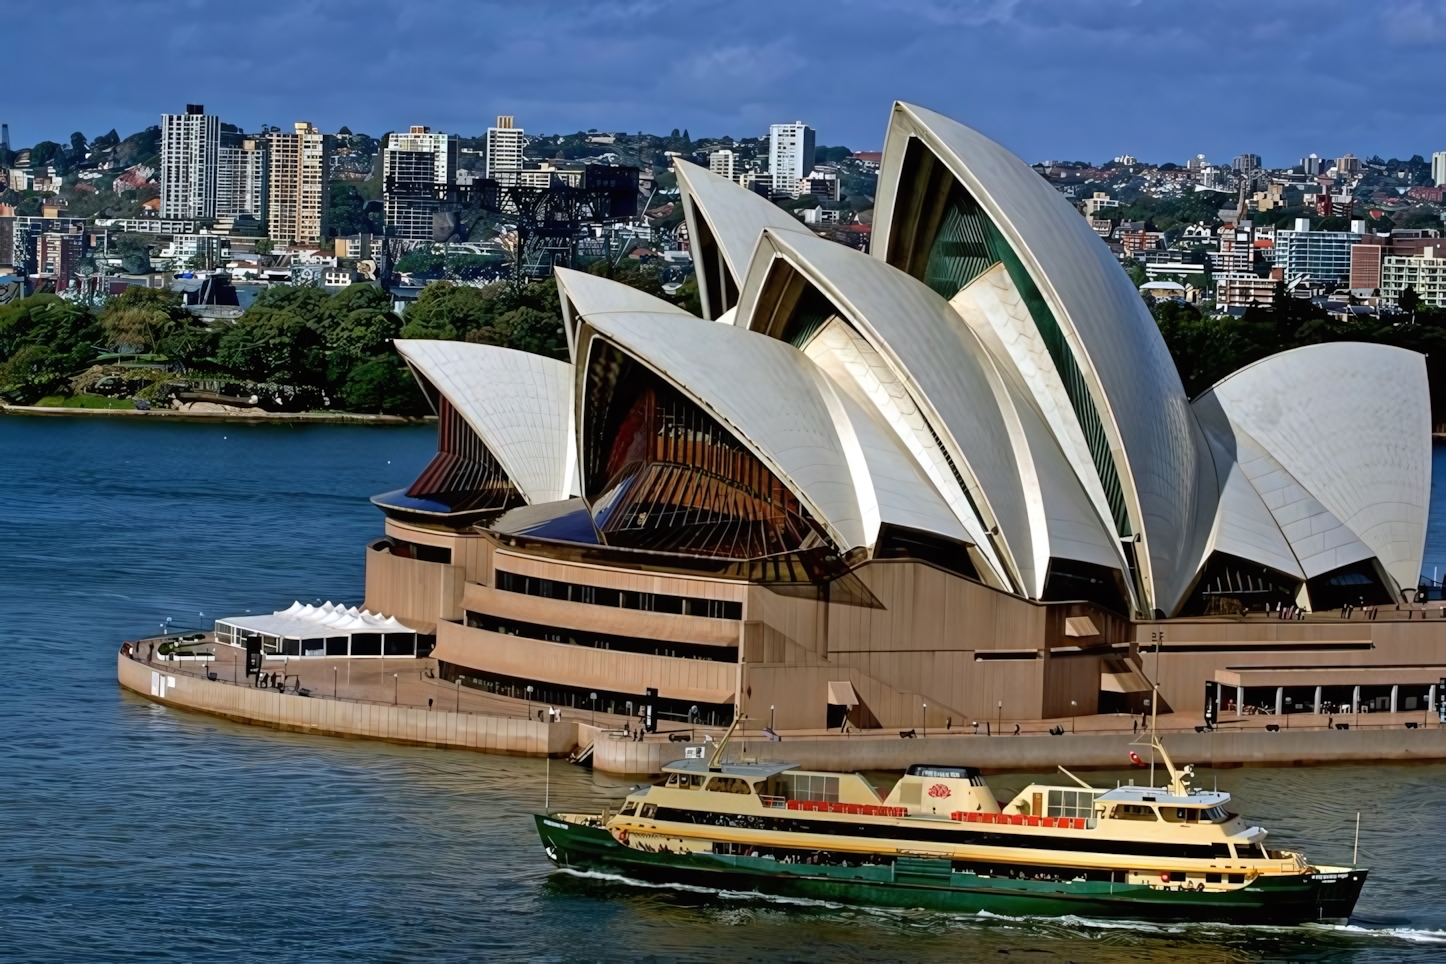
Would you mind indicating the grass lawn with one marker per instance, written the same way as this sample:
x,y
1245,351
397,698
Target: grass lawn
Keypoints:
x,y
84,401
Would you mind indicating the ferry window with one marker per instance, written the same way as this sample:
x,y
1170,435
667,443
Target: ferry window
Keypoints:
x,y
1181,814
1212,878
1237,878
1130,811
650,810
809,787
1214,814
1221,851
728,785
1071,803
629,808
1249,851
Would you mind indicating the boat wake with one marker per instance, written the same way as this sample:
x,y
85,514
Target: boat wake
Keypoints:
x,y
1409,934
695,889
1067,922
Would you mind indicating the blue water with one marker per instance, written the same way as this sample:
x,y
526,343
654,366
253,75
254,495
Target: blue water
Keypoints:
x,y
133,832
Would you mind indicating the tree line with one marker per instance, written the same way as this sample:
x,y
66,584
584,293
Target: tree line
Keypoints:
x,y
318,346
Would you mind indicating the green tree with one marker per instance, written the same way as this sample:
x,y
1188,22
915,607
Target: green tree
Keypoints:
x,y
44,340
1409,300
273,344
383,385
140,318
263,246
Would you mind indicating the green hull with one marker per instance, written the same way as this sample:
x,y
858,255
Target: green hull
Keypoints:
x,y
931,884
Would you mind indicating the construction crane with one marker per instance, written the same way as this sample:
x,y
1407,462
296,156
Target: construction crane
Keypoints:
x,y
548,218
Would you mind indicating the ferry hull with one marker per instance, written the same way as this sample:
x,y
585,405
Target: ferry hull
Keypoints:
x,y
914,883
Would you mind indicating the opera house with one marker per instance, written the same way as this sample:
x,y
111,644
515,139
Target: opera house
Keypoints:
x,y
959,472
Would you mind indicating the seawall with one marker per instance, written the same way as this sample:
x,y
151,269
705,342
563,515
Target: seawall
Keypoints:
x,y
374,721
1044,753
419,726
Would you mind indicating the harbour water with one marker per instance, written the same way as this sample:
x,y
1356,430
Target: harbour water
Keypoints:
x,y
133,832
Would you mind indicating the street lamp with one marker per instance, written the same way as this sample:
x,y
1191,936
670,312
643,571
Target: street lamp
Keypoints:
x,y
1073,711
396,683
770,716
999,715
593,696
926,719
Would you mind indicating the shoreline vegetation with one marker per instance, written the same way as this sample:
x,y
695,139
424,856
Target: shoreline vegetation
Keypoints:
x,y
255,416
295,350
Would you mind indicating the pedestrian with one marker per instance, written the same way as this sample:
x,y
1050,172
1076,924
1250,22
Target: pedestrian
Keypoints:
x,y
1134,726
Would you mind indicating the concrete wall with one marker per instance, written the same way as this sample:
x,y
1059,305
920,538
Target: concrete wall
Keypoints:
x,y
583,667
610,620
393,724
1044,753
420,594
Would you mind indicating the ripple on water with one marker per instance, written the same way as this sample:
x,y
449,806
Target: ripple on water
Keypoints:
x,y
130,831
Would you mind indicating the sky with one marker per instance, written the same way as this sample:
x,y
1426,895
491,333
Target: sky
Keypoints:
x,y
1163,80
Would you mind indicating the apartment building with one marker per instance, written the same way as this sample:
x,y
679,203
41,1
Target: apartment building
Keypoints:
x,y
505,143
300,187
1425,273
190,158
724,163
242,176
414,166
790,155
1321,256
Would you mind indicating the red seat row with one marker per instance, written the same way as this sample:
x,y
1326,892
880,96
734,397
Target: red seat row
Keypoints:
x,y
863,809
1019,820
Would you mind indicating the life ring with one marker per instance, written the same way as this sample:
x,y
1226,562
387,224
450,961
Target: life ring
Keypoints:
x,y
622,836
1135,759
1165,878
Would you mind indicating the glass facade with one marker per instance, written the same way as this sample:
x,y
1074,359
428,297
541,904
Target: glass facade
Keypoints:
x,y
968,244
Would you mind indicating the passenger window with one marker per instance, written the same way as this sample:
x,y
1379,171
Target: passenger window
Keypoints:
x,y
1130,811
629,808
728,785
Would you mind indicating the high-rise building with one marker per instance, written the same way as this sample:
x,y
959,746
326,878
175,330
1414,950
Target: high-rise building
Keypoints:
x,y
1246,162
504,150
1424,273
1310,165
1438,168
300,185
242,176
724,163
1348,164
790,155
1321,256
414,164
190,156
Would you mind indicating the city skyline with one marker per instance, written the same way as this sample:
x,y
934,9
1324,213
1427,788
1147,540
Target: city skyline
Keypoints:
x,y
1017,70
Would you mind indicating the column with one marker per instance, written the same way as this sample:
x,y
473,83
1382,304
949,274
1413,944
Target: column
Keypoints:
x,y
1356,700
1431,699
1279,700
1395,692
1316,707
1239,701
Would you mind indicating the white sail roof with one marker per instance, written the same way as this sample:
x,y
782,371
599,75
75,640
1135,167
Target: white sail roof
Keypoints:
x,y
937,359
765,392
734,216
1160,453
518,403
1336,439
586,294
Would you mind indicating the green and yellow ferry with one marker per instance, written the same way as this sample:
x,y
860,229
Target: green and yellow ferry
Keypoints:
x,y
941,841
